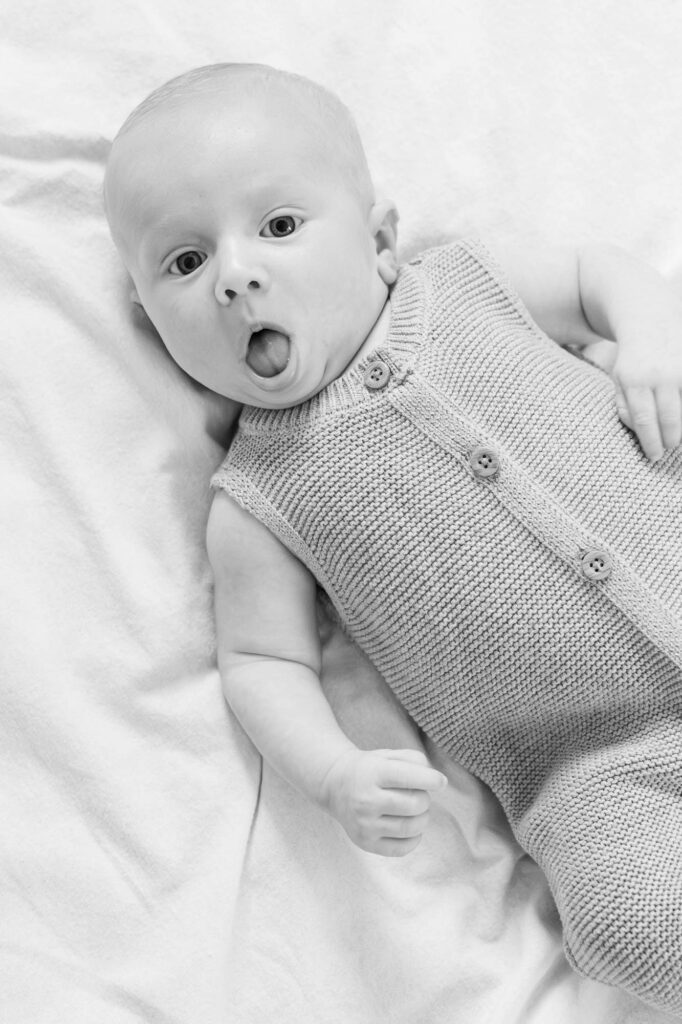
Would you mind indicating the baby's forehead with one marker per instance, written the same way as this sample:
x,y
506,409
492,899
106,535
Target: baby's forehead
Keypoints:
x,y
203,118
197,116
200,134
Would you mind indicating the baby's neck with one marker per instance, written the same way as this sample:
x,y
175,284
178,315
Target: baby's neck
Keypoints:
x,y
376,337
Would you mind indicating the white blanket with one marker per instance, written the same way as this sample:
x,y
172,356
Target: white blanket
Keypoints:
x,y
149,869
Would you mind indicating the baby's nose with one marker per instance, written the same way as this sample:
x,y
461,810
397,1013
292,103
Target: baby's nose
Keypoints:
x,y
237,276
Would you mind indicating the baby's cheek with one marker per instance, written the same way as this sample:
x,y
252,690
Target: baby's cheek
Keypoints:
x,y
340,293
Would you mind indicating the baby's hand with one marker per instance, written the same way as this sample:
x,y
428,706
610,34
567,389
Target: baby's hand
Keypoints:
x,y
382,798
649,392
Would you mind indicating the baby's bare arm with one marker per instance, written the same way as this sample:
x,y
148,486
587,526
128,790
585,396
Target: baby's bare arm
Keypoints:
x,y
579,296
269,656
268,647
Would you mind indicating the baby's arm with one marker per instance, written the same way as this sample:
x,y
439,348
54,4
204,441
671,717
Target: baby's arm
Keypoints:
x,y
269,656
578,297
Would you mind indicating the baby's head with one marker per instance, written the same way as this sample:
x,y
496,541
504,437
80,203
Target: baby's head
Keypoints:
x,y
241,203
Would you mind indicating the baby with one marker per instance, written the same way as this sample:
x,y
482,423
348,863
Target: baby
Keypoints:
x,y
460,486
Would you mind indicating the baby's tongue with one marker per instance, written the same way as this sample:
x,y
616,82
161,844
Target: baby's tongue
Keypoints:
x,y
268,352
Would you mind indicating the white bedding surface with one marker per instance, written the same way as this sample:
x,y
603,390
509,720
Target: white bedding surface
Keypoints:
x,y
149,869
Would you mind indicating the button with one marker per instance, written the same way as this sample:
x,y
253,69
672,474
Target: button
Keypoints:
x,y
377,375
597,564
484,462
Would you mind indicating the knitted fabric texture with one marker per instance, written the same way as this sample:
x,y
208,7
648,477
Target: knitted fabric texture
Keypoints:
x,y
529,619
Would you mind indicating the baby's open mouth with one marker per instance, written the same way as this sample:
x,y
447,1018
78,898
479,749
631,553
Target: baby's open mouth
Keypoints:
x,y
268,352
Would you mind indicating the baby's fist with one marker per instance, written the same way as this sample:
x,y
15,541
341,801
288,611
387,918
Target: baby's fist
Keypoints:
x,y
382,798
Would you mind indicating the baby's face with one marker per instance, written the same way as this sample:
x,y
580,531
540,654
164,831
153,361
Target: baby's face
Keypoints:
x,y
261,268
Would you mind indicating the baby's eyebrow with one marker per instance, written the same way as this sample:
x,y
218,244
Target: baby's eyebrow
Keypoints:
x,y
162,235
170,224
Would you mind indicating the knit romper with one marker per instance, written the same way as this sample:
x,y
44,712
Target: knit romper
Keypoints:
x,y
495,541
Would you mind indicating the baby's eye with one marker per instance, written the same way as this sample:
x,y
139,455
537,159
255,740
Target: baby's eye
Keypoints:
x,y
187,262
280,227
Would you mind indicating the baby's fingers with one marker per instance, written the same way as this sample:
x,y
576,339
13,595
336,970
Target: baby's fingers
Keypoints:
x,y
642,415
669,405
409,769
394,826
400,835
388,847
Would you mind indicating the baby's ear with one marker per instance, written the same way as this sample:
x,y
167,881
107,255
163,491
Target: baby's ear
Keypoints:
x,y
384,227
139,314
